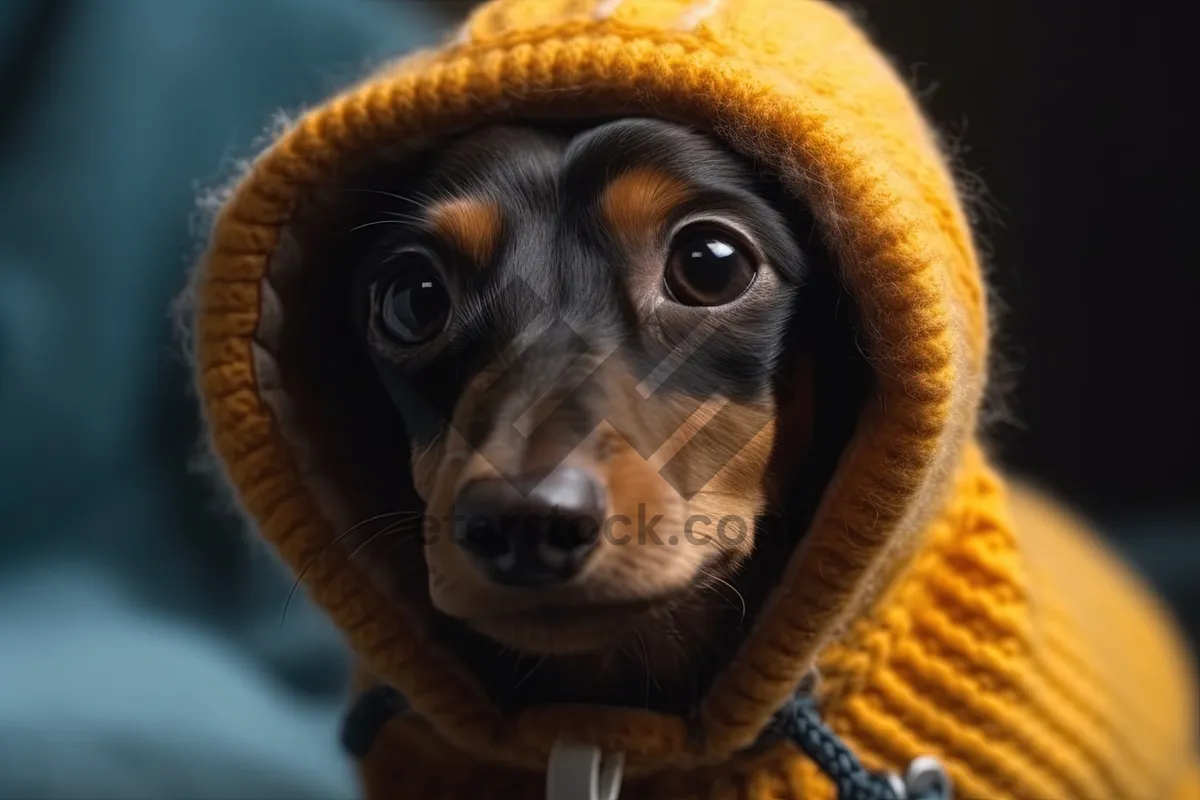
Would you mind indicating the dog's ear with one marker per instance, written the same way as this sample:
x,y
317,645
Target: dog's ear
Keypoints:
x,y
828,323
796,419
358,449
823,376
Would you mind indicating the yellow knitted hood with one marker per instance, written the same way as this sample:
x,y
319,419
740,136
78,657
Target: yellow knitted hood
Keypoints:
x,y
938,623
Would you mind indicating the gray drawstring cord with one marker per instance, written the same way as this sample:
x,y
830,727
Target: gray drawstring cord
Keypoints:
x,y
800,723
371,710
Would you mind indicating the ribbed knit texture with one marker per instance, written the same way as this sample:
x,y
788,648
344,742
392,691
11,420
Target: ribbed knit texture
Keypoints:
x,y
949,616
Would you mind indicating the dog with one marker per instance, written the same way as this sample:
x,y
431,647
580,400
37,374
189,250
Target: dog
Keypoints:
x,y
590,337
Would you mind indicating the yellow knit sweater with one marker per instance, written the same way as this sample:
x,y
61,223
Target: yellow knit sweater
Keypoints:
x,y
949,613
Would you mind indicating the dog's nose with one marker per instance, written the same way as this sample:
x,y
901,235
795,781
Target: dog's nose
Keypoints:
x,y
536,530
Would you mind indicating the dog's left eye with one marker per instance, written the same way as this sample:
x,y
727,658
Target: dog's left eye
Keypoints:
x,y
414,305
708,266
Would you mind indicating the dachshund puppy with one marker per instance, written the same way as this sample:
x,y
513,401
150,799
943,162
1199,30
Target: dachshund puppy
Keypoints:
x,y
588,335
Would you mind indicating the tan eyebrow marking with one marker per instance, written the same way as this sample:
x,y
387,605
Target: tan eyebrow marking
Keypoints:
x,y
638,202
472,225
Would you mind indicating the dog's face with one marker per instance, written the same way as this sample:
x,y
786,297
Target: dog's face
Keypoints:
x,y
582,333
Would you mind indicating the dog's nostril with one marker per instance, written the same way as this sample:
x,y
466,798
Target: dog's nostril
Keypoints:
x,y
484,537
569,532
533,531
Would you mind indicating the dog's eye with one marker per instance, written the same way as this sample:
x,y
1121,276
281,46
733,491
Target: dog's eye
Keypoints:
x,y
708,266
414,305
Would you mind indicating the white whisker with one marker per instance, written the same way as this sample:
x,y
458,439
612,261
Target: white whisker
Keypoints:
x,y
732,588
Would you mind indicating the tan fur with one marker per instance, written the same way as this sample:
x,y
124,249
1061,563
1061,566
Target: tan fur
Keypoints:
x,y
470,225
637,203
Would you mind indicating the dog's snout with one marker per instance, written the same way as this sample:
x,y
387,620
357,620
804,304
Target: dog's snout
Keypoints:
x,y
536,530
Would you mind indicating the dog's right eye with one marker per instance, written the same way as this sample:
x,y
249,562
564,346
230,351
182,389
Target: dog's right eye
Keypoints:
x,y
708,266
413,303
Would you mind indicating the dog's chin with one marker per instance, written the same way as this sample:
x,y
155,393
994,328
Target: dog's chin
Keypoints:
x,y
572,630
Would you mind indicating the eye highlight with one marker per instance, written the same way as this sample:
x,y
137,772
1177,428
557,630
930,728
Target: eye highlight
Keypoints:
x,y
412,303
708,265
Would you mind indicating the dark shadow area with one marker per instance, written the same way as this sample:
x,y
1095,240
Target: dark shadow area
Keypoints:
x,y
1070,114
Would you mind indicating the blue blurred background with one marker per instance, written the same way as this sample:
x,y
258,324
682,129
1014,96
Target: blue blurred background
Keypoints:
x,y
141,647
